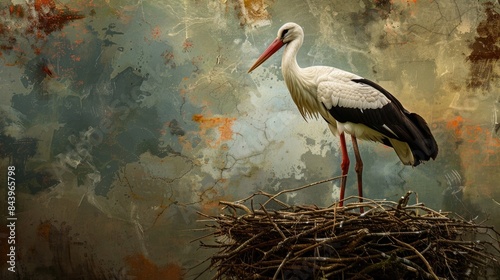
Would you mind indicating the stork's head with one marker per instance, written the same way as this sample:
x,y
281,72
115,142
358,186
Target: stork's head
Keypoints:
x,y
289,32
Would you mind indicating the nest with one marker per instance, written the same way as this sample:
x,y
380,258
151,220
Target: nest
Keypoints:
x,y
362,240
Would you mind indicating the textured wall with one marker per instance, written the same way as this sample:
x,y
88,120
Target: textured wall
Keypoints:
x,y
123,118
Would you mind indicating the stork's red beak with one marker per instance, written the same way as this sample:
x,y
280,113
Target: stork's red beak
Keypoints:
x,y
274,47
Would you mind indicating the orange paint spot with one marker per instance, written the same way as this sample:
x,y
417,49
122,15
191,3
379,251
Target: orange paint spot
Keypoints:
x,y
473,133
142,268
456,122
480,146
478,134
223,125
16,10
456,125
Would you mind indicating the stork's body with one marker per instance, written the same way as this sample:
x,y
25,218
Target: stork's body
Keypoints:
x,y
351,104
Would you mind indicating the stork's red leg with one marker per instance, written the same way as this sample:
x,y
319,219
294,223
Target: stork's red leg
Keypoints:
x,y
344,165
359,169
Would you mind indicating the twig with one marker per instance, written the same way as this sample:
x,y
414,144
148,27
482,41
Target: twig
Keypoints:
x,y
272,222
232,253
301,188
429,267
236,205
281,265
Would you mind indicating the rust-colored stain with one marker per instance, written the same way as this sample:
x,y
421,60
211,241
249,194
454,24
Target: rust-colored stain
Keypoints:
x,y
156,33
456,125
480,147
252,11
187,45
43,230
32,20
52,18
472,133
42,4
16,10
485,51
210,199
142,268
223,125
256,9
75,57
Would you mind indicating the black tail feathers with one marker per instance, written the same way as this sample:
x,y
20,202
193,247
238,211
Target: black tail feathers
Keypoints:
x,y
424,147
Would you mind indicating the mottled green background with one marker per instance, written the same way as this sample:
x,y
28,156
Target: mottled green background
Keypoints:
x,y
123,118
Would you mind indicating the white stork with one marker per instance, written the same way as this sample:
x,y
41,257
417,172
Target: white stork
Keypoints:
x,y
350,104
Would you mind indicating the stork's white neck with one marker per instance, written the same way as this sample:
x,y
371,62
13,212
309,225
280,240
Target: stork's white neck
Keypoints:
x,y
300,82
289,64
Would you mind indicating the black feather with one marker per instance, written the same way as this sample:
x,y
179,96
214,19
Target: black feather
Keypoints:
x,y
408,127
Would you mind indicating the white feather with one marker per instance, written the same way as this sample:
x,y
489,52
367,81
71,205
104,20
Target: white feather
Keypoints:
x,y
361,131
350,95
403,151
390,130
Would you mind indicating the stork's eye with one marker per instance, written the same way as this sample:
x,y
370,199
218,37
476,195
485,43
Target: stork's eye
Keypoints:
x,y
284,33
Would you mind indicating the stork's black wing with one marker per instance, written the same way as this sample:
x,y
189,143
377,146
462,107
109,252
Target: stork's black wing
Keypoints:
x,y
362,101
